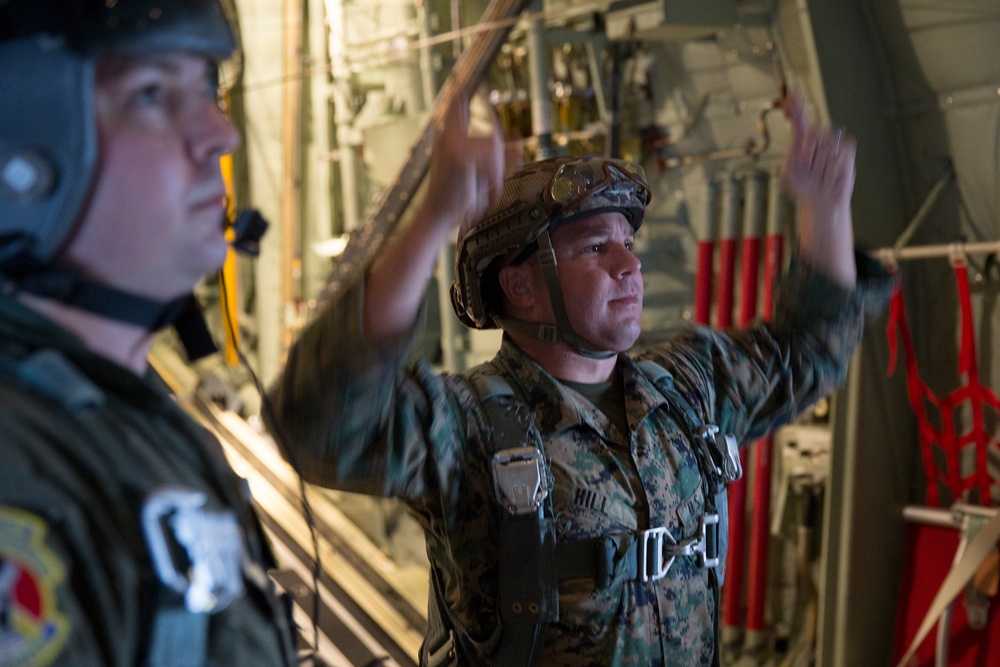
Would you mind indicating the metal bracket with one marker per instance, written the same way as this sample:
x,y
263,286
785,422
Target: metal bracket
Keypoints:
x,y
519,479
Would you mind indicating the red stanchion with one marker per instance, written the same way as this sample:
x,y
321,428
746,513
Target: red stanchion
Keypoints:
x,y
749,259
760,521
732,591
704,271
703,281
727,279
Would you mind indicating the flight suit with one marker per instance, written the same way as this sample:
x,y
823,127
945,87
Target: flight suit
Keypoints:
x,y
360,421
98,465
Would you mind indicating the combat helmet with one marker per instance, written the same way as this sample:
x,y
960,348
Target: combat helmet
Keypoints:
x,y
48,128
533,202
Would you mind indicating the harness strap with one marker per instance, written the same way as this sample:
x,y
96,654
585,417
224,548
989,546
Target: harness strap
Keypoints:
x,y
643,557
440,647
528,593
710,464
595,558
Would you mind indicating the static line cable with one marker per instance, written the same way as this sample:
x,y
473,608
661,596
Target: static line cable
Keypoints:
x,y
279,436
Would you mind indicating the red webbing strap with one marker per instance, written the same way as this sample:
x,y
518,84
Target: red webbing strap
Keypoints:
x,y
974,391
917,391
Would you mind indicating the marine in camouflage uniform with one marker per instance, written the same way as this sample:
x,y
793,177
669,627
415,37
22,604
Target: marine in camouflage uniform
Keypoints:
x,y
125,538
360,420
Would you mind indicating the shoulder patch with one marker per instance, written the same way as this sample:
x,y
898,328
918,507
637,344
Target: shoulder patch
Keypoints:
x,y
32,629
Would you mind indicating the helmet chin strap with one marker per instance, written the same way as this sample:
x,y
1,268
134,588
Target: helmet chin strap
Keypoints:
x,y
69,287
562,330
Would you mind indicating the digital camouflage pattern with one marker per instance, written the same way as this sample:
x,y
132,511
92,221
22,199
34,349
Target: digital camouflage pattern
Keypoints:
x,y
359,421
85,441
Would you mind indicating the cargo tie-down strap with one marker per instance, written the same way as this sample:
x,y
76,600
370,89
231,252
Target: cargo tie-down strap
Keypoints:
x,y
965,567
978,396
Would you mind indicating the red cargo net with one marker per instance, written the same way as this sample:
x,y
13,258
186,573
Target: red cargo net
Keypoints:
x,y
974,393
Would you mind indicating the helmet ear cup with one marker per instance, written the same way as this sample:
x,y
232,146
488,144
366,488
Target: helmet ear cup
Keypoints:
x,y
48,147
27,176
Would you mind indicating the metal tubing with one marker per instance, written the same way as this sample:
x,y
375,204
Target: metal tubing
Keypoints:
x,y
596,76
924,210
706,254
774,244
948,518
753,229
892,255
541,103
291,140
727,251
346,136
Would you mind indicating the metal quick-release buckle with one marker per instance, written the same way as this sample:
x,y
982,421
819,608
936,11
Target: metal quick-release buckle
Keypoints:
x,y
196,552
705,544
519,479
658,548
651,565
728,450
444,655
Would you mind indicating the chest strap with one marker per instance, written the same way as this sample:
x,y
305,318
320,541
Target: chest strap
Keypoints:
x,y
645,556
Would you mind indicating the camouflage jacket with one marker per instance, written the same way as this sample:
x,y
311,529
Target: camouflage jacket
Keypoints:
x,y
86,444
359,420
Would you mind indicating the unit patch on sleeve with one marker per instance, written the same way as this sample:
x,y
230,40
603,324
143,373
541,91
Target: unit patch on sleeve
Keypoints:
x,y
32,629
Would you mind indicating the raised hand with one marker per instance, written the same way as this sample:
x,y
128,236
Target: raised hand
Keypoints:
x,y
466,166
467,163
818,173
819,166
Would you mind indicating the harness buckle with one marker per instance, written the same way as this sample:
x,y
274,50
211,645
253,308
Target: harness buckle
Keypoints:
x,y
444,655
658,548
196,552
652,564
728,451
704,545
519,479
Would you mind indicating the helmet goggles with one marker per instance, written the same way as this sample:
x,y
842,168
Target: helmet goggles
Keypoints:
x,y
580,179
589,185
